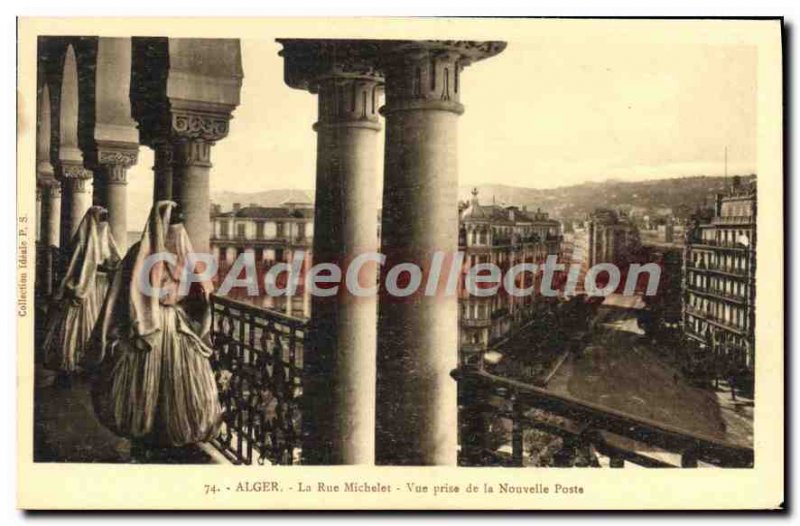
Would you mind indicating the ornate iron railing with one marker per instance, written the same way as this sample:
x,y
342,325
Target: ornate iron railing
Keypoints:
x,y
258,363
583,427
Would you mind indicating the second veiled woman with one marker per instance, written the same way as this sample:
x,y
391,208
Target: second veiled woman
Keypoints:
x,y
93,258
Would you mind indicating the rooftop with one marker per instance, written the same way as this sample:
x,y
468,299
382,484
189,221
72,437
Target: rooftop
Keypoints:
x,y
269,212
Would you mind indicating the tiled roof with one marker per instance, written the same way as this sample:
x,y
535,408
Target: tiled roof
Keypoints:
x,y
263,212
500,214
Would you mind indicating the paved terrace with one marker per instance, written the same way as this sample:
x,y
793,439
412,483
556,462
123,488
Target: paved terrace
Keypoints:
x,y
66,430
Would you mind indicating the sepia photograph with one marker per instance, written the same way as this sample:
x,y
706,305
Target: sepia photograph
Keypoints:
x,y
319,261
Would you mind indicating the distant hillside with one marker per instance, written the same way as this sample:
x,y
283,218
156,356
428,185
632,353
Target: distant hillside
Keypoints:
x,y
265,198
680,195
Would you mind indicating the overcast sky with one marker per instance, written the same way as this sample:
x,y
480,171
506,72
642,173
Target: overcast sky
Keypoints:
x,y
536,116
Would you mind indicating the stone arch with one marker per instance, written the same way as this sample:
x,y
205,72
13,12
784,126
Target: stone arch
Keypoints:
x,y
44,168
44,132
77,194
68,108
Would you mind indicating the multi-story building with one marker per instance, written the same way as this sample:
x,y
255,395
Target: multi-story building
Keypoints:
x,y
610,237
666,305
719,286
272,235
606,236
505,236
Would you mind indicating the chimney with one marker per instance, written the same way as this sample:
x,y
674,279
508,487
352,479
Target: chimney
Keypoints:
x,y
524,208
216,209
237,206
511,214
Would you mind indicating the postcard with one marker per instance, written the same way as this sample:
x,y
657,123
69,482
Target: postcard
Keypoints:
x,y
420,263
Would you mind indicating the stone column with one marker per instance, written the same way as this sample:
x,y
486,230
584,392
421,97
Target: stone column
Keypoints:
x,y
99,188
109,139
339,393
183,91
162,171
51,214
50,232
418,335
44,168
39,192
190,188
111,172
76,189
76,198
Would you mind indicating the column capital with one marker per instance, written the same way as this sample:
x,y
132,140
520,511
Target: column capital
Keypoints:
x,y
309,62
73,170
77,179
122,156
193,152
184,88
52,189
199,124
48,185
348,102
115,174
110,160
343,73
466,51
44,169
426,74
162,152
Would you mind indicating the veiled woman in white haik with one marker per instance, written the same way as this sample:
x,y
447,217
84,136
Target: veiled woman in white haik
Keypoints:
x,y
93,258
155,384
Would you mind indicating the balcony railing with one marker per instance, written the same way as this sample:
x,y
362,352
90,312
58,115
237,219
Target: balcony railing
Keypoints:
x,y
476,322
580,425
718,244
716,320
717,294
719,269
258,363
733,220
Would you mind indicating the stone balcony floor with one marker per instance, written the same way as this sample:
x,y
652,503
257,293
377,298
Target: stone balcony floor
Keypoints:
x,y
66,430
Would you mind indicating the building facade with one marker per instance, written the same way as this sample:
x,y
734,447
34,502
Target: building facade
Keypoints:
x,y
606,236
610,237
719,286
273,235
504,236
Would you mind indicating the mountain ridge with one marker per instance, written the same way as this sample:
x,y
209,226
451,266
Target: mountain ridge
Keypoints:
x,y
678,196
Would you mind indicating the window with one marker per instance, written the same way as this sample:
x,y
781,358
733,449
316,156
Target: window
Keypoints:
x,y
240,230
